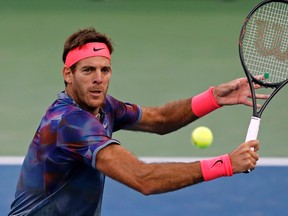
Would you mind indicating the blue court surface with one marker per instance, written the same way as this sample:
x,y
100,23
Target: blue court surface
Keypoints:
x,y
260,193
164,50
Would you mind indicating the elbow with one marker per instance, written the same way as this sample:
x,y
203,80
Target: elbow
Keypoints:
x,y
161,132
146,189
142,185
162,129
148,186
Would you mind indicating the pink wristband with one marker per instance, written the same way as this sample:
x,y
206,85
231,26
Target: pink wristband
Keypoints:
x,y
204,103
216,167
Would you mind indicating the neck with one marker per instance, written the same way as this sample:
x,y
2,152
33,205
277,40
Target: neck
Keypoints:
x,y
94,111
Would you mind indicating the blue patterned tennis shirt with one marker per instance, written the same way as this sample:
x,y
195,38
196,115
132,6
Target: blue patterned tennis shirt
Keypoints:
x,y
58,175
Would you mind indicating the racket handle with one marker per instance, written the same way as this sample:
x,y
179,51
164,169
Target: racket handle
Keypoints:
x,y
252,132
253,129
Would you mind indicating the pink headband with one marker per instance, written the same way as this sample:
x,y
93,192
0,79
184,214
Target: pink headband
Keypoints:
x,y
85,51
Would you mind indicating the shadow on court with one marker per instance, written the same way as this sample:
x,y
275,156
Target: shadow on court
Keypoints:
x,y
260,193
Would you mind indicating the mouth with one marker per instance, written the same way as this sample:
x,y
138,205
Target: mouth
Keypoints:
x,y
96,93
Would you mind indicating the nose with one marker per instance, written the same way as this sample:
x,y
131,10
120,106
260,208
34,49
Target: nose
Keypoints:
x,y
97,77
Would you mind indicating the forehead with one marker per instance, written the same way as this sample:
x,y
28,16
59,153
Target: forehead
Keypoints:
x,y
96,61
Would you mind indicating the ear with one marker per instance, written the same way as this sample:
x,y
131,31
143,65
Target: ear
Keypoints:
x,y
67,74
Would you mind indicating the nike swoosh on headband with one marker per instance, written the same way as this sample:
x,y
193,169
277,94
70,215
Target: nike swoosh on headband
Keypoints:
x,y
95,49
87,50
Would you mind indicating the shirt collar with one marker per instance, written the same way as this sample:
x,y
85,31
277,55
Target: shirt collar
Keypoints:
x,y
63,96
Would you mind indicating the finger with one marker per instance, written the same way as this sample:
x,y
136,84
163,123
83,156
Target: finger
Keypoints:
x,y
252,167
243,79
262,96
260,77
259,106
255,157
253,160
257,86
253,144
250,103
252,163
259,96
256,148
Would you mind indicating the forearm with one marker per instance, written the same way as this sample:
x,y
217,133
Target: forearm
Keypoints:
x,y
166,118
153,178
172,116
147,178
158,178
176,114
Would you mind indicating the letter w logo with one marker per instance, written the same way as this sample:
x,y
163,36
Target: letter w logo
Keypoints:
x,y
268,40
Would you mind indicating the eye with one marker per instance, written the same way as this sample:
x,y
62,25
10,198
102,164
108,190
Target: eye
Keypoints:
x,y
106,69
87,70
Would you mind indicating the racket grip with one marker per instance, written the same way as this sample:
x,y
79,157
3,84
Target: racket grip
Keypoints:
x,y
253,129
252,132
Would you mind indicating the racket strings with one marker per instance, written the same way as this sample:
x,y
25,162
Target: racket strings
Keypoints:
x,y
265,42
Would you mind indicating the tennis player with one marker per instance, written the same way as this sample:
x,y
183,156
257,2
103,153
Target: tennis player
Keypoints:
x,y
72,151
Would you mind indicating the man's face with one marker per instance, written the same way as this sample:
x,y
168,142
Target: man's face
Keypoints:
x,y
88,84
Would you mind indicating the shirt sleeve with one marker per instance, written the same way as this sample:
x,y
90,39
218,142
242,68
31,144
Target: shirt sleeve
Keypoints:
x,y
81,136
125,114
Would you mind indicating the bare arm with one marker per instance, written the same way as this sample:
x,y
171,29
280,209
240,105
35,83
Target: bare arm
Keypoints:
x,y
177,114
119,164
167,118
152,178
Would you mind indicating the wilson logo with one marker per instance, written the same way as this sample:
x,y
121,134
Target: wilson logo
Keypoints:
x,y
271,45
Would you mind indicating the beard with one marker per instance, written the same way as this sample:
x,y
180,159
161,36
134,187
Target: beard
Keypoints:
x,y
84,98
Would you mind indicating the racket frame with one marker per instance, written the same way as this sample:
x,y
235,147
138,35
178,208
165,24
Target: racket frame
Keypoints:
x,y
253,129
250,77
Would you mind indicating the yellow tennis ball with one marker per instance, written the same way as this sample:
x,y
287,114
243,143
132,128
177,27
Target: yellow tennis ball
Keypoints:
x,y
202,137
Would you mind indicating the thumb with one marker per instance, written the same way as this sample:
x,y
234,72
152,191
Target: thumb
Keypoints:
x,y
253,144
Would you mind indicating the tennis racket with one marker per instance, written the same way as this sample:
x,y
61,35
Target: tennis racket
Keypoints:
x,y
263,50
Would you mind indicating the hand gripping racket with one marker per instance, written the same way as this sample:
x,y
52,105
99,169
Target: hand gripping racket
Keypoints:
x,y
263,50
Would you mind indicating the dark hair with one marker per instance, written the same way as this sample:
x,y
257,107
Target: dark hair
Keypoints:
x,y
84,36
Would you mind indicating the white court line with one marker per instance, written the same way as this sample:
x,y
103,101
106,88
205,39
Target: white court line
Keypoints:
x,y
11,160
266,161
